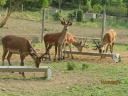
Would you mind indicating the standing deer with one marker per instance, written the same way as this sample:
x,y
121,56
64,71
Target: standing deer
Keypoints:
x,y
60,40
18,45
57,39
108,41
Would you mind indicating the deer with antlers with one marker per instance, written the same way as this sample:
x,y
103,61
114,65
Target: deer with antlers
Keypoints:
x,y
18,45
107,42
58,40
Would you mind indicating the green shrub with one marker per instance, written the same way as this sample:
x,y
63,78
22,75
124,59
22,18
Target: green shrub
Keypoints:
x,y
70,66
71,16
117,11
97,8
80,15
57,15
84,66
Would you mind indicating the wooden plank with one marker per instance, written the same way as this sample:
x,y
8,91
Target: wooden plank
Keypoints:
x,y
46,69
89,53
23,69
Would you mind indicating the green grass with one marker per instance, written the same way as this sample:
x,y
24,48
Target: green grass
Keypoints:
x,y
36,16
93,88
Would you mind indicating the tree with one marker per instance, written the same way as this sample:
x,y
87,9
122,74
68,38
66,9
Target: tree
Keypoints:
x,y
44,4
2,2
89,6
12,5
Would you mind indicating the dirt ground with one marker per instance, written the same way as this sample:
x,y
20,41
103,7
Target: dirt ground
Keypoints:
x,y
25,28
60,80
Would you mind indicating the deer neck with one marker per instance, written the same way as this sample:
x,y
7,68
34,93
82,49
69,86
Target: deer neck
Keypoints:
x,y
62,37
77,45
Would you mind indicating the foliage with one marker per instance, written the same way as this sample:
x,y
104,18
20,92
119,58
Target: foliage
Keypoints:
x,y
97,8
70,66
72,15
44,3
57,15
116,11
2,2
79,15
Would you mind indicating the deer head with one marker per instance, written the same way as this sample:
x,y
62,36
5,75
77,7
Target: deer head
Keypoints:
x,y
66,24
99,46
79,45
35,57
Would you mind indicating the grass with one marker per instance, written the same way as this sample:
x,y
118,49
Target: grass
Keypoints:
x,y
95,73
36,16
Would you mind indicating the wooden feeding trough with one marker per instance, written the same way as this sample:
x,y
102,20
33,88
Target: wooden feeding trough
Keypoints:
x,y
45,69
115,57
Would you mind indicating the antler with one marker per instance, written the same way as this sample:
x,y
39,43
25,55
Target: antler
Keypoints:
x,y
63,22
97,44
69,23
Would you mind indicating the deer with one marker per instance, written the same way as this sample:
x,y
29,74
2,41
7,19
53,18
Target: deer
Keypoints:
x,y
71,40
56,39
108,41
18,45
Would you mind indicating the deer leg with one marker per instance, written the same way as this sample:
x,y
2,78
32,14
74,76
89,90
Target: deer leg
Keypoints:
x,y
22,57
55,53
49,52
3,56
64,51
8,58
107,48
111,48
59,52
71,51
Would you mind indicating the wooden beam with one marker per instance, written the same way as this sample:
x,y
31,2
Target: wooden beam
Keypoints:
x,y
115,57
46,69
22,69
89,53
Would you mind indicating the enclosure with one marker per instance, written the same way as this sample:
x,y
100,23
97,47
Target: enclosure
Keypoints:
x,y
82,76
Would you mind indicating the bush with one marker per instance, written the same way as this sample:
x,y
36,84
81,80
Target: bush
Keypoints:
x,y
71,16
57,15
84,66
97,8
116,11
79,15
70,66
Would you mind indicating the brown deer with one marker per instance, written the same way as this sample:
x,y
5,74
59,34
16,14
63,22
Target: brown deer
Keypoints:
x,y
71,40
56,39
18,45
52,39
108,41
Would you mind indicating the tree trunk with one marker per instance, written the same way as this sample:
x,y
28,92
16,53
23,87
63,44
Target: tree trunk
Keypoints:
x,y
43,18
3,22
103,23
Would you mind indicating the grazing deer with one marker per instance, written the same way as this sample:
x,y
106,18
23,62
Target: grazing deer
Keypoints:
x,y
71,40
18,45
108,41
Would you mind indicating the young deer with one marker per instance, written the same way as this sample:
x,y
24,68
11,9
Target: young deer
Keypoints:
x,y
18,45
108,41
71,40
